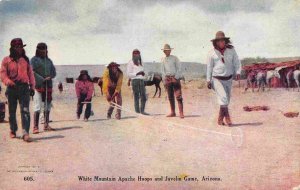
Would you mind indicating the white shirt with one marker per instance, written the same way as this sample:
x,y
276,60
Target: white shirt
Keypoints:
x,y
171,66
133,69
216,67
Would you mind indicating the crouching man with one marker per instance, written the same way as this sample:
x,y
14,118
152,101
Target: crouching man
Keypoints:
x,y
112,84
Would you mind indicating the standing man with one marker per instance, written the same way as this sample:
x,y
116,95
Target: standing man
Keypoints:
x,y
171,72
112,84
44,72
223,65
17,75
135,72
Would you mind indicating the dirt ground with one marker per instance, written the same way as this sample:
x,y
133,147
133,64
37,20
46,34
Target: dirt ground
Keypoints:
x,y
157,146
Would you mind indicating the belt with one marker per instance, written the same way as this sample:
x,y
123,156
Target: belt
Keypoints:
x,y
223,77
20,83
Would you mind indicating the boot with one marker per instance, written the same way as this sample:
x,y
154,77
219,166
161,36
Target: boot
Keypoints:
x,y
227,117
180,106
143,105
118,115
12,134
137,105
26,138
46,124
109,112
36,119
172,105
221,116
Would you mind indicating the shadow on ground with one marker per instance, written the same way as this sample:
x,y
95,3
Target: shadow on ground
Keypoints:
x,y
187,116
67,128
47,138
255,124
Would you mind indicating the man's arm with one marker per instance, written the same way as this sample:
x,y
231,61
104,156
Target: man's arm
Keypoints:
x,y
31,77
163,70
119,84
178,68
237,64
4,76
90,91
105,81
33,65
209,65
53,70
77,90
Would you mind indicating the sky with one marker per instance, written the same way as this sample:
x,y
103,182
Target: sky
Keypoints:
x,y
100,31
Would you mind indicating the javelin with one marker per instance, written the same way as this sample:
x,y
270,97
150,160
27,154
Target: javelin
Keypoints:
x,y
127,110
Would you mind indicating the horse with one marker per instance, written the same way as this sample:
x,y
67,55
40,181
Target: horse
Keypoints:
x,y
270,75
289,78
156,78
296,75
261,80
251,79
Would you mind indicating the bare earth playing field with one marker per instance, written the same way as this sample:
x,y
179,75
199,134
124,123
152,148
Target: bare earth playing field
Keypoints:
x,y
151,147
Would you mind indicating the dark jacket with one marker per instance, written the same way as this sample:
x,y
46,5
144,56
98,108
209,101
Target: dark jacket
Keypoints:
x,y
42,68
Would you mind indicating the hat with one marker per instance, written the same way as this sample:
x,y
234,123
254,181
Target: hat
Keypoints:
x,y
41,46
167,47
84,72
111,64
16,42
220,35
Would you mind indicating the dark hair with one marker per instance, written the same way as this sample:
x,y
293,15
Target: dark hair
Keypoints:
x,y
227,44
80,78
38,53
13,54
113,77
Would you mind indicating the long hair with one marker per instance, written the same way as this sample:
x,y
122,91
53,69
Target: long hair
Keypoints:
x,y
14,55
38,53
227,44
113,77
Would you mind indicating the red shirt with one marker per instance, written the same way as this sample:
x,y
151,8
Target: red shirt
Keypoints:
x,y
86,88
17,71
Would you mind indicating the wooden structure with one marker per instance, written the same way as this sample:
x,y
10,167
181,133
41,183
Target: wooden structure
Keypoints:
x,y
282,67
